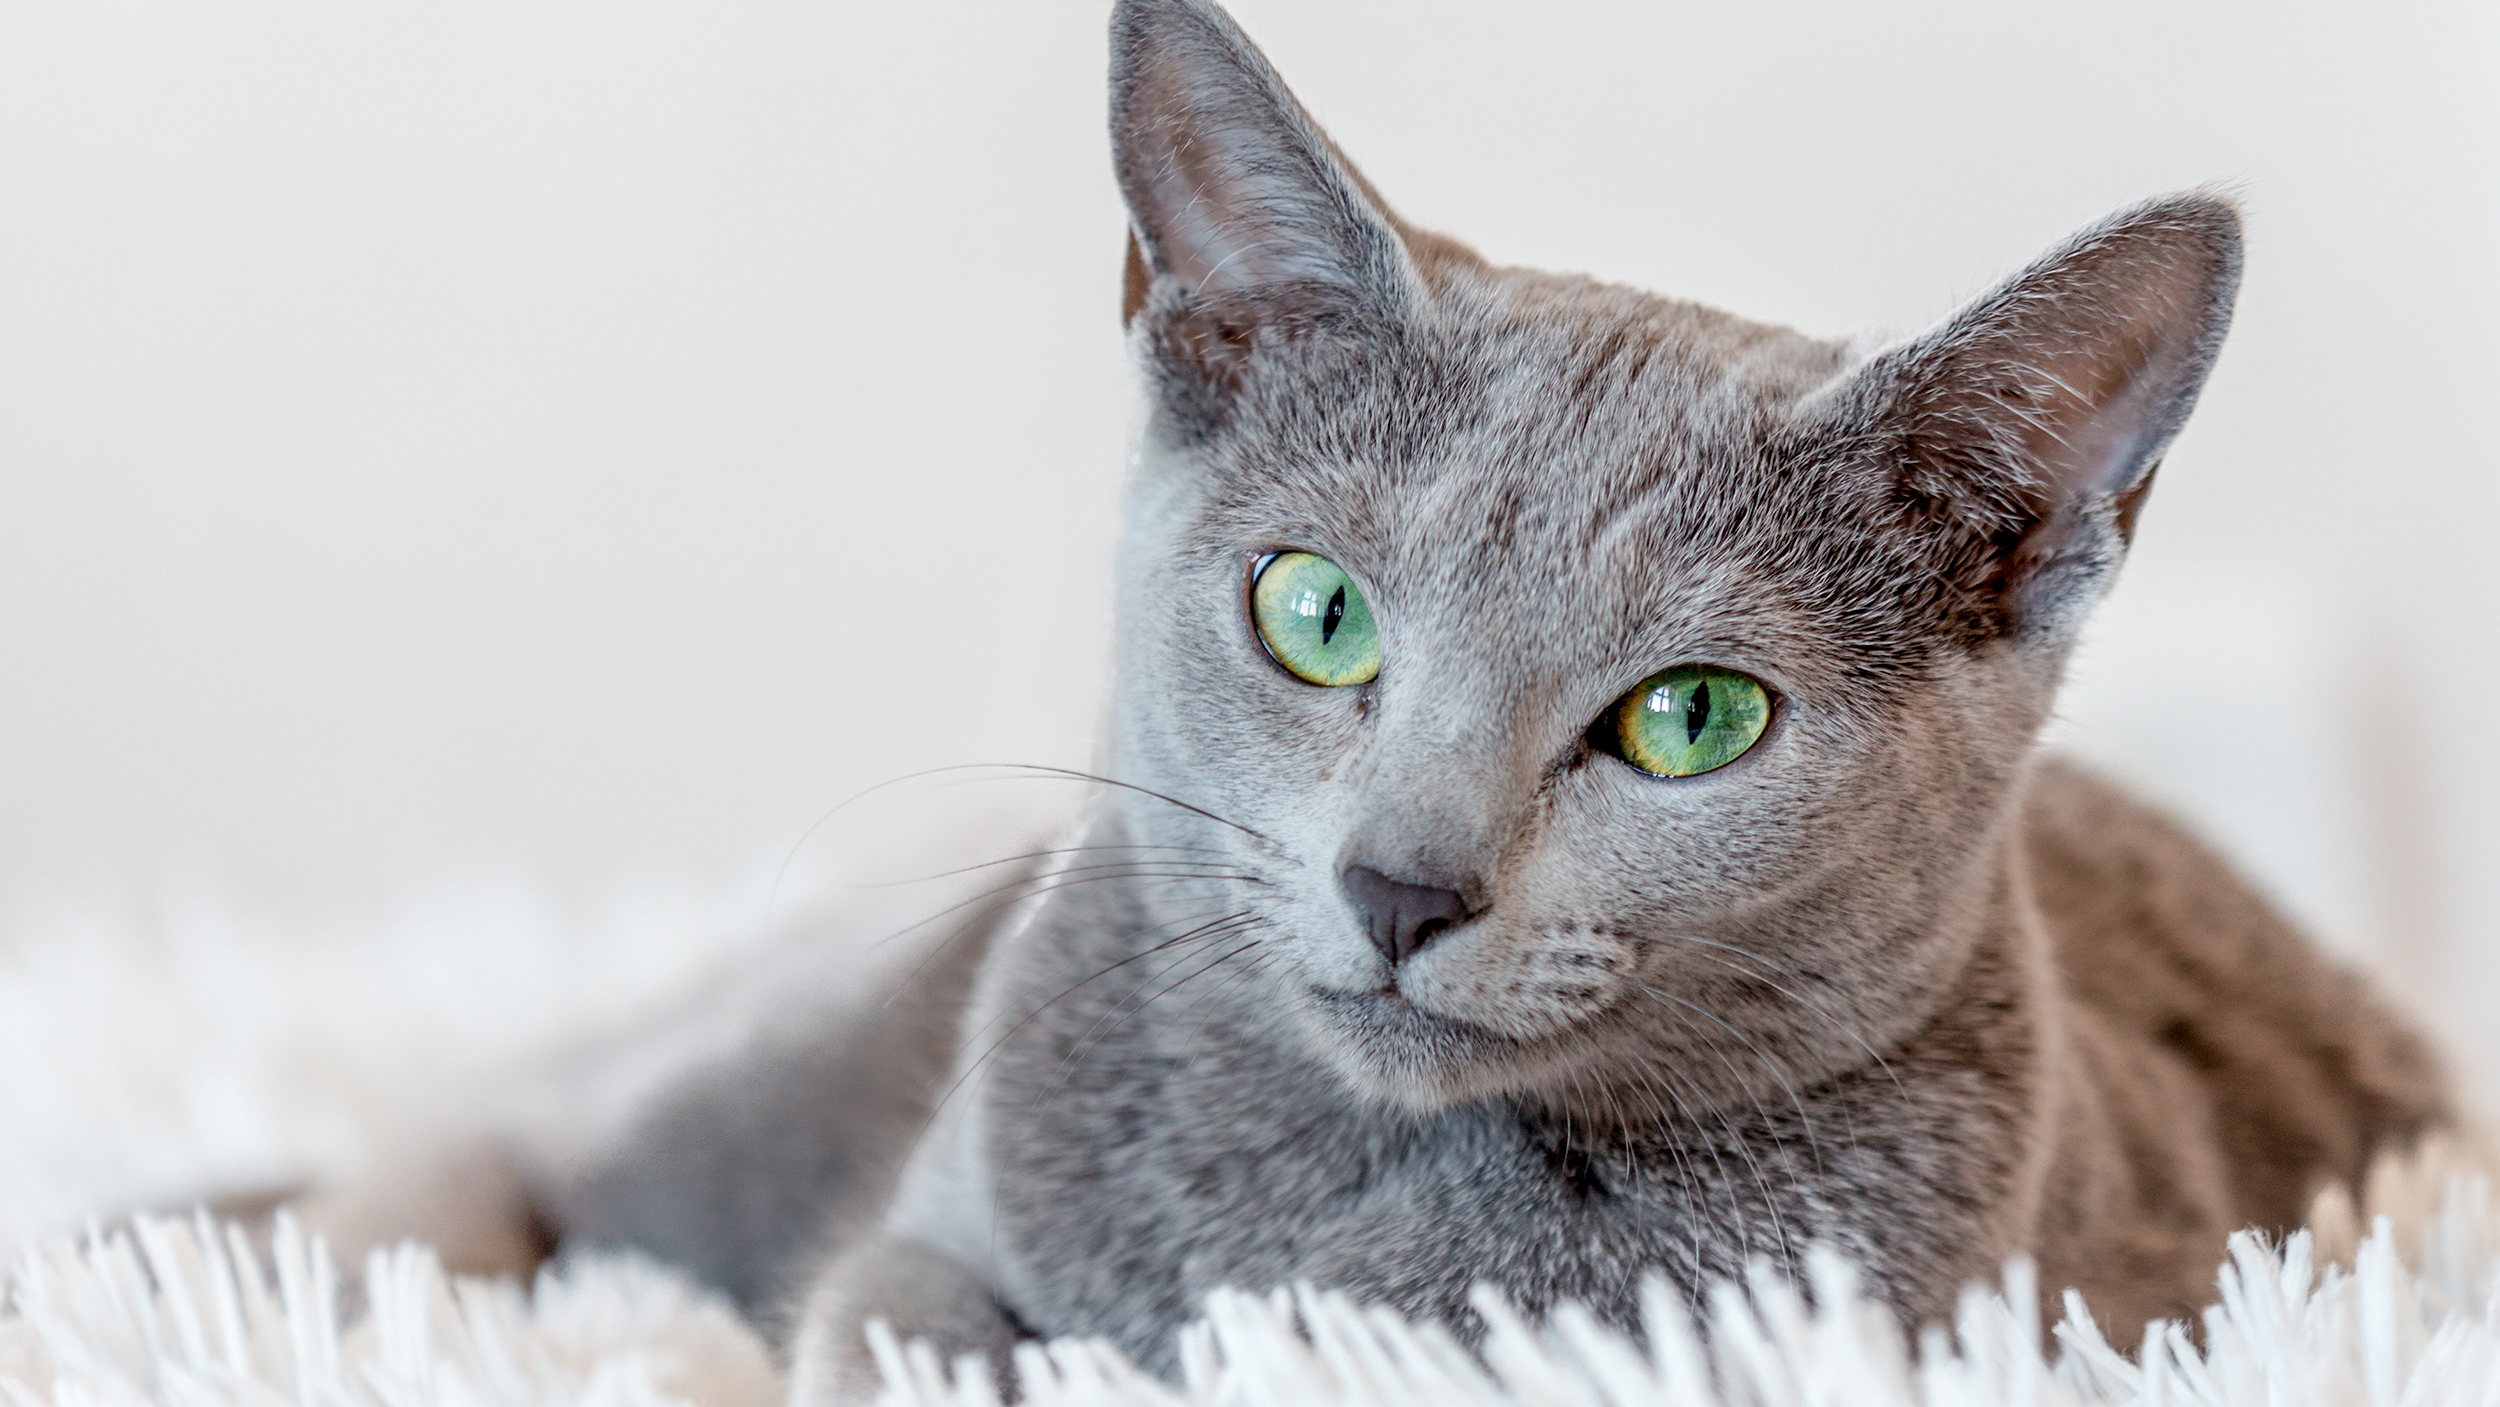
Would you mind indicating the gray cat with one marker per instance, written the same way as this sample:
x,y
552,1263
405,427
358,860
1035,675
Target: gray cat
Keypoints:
x,y
1576,818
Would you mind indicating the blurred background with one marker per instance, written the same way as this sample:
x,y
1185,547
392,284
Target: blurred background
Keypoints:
x,y
582,443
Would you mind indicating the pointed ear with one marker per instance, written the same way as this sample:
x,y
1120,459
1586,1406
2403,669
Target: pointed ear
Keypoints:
x,y
1246,223
2026,429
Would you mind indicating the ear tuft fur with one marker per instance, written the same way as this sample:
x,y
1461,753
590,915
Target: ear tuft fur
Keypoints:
x,y
2029,424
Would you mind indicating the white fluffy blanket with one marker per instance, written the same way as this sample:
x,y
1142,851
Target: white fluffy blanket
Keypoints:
x,y
152,1057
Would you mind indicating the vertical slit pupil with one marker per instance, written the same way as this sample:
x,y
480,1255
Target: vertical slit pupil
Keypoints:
x,y
1335,617
1697,713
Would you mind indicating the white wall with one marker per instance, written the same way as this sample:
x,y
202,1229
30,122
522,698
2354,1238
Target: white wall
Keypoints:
x,y
585,438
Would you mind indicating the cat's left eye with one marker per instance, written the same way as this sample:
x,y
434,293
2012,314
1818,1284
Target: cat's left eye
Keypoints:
x,y
1314,620
1688,720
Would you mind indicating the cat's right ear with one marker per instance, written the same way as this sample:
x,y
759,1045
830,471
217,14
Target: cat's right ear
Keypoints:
x,y
1247,226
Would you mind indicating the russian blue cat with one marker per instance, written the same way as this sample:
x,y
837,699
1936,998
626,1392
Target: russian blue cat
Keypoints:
x,y
1576,819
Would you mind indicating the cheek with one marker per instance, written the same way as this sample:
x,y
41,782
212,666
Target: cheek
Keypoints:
x,y
1639,850
1206,698
1896,815
1528,980
1809,800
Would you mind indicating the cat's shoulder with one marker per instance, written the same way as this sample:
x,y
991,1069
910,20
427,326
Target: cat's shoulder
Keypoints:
x,y
2140,909
2160,935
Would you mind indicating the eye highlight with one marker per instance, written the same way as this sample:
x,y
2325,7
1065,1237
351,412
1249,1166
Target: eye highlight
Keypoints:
x,y
1691,719
1314,621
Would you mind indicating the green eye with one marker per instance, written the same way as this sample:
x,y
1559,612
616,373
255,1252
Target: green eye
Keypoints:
x,y
1691,719
1314,621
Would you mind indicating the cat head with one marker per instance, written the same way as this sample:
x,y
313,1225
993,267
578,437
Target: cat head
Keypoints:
x,y
1601,685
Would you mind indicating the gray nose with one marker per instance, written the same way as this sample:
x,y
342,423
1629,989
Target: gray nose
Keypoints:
x,y
1401,917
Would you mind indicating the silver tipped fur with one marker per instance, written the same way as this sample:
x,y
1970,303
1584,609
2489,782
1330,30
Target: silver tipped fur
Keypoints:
x,y
1886,983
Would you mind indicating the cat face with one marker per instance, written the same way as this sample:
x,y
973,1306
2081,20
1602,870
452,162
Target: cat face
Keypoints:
x,y
1532,496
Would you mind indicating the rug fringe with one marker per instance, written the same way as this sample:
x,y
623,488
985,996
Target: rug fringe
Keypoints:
x,y
189,1313
2407,1315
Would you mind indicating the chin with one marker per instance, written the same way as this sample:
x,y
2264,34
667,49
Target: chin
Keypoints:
x,y
1390,1050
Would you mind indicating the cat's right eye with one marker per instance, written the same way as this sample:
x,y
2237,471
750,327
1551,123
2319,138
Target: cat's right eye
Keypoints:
x,y
1314,621
1688,720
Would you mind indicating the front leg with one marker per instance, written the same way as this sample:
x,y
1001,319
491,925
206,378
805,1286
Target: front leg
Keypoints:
x,y
928,1270
921,1292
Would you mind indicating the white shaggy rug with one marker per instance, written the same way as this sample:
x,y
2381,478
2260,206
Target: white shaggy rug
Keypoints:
x,y
153,1055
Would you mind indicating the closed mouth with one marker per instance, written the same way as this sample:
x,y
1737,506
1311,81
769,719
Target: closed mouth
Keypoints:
x,y
1383,1018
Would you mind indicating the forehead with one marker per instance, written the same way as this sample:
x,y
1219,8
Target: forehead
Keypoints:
x,y
1617,471
1523,398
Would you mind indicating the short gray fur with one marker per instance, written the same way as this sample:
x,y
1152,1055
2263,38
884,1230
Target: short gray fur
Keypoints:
x,y
1887,982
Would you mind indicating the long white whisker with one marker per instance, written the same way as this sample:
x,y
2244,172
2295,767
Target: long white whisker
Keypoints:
x,y
1804,1119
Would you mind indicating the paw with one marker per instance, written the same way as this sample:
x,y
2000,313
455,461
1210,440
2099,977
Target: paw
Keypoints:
x,y
882,1294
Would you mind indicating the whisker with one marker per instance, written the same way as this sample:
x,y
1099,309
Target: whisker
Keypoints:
x,y
1693,1184
1622,1128
1074,774
1848,1119
1050,880
1047,882
1118,1011
1744,1149
1744,1237
1069,1064
1036,855
1837,1024
1574,1072
1189,1043
1199,938
1030,768
1770,1202
1787,1157
1804,1120
1210,967
1176,930
1035,1014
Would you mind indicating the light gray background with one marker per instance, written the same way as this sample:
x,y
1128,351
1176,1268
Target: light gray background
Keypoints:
x,y
588,440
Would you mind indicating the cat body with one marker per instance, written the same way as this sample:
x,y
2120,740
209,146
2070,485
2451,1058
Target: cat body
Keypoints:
x,y
1434,988
1437,927
1132,1143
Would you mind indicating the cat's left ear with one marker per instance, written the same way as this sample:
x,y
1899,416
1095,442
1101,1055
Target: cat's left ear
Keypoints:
x,y
2025,430
1248,226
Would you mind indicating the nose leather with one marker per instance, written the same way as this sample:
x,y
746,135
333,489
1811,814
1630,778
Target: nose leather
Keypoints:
x,y
1400,916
